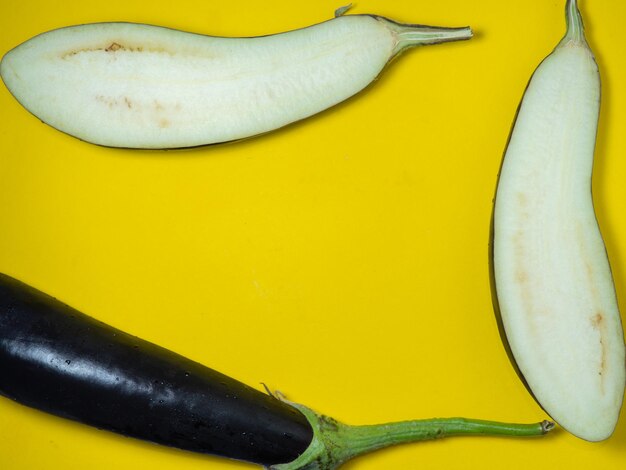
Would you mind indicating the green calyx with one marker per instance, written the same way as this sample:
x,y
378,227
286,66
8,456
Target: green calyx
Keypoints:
x,y
324,451
335,443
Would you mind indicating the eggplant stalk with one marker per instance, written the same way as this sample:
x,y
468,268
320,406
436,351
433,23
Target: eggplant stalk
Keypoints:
x,y
335,443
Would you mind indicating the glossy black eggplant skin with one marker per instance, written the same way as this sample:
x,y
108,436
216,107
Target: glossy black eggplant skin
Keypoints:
x,y
58,360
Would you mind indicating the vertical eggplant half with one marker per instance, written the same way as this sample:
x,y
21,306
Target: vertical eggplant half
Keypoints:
x,y
553,282
61,361
141,86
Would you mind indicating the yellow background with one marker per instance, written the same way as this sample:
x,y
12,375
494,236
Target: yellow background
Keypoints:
x,y
342,260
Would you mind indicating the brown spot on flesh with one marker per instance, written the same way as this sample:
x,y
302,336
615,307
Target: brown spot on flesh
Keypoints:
x,y
107,100
598,319
129,104
598,322
116,47
521,276
163,123
113,47
602,363
522,200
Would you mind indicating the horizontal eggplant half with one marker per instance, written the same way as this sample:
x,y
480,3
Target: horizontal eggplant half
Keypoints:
x,y
552,277
141,86
61,361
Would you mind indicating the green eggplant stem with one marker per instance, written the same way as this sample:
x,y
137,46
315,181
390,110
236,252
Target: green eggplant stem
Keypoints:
x,y
411,35
335,443
575,28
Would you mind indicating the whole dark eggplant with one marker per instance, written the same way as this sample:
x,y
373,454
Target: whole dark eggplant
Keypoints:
x,y
59,360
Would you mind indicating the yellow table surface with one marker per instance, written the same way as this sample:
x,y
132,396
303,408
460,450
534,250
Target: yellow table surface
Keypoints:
x,y
342,260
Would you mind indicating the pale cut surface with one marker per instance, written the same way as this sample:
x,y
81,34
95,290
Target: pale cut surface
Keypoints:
x,y
553,280
133,85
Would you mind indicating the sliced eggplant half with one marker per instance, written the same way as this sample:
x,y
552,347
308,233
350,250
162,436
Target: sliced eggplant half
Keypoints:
x,y
140,86
553,281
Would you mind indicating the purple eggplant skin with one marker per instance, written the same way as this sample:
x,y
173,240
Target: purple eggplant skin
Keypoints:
x,y
58,360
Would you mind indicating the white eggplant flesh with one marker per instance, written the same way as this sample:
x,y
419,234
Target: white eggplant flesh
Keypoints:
x,y
553,282
141,86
